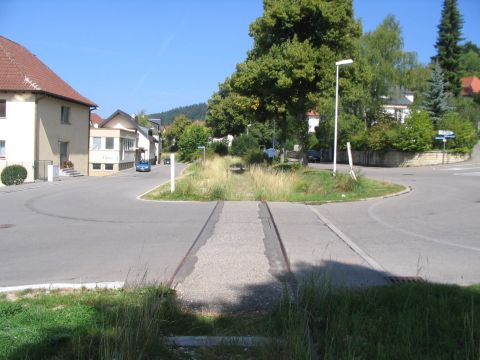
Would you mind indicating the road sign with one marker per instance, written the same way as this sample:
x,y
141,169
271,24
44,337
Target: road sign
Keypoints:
x,y
201,147
445,133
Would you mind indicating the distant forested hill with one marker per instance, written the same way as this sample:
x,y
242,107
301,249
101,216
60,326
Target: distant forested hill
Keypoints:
x,y
193,112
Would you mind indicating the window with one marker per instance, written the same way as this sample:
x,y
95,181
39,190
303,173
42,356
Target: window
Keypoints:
x,y
3,108
96,166
109,143
65,115
96,143
2,148
108,166
128,144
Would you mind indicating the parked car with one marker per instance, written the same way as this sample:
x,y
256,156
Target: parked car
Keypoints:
x,y
314,155
143,165
166,161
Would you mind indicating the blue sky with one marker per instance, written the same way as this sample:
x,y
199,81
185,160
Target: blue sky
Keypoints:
x,y
156,55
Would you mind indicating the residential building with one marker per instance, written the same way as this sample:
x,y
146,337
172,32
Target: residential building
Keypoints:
x,y
470,86
398,103
313,120
118,143
43,120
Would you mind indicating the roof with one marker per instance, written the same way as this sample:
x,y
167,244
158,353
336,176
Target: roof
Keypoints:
x,y
20,70
142,130
312,112
397,96
470,85
95,119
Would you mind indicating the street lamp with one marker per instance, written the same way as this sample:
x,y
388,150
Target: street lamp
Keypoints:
x,y
338,64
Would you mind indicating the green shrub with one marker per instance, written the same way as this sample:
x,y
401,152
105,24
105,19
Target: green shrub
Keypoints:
x,y
220,148
14,175
382,135
254,156
287,167
465,134
416,134
242,144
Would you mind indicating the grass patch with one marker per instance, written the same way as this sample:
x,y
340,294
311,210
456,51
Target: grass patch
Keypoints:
x,y
105,324
219,179
407,321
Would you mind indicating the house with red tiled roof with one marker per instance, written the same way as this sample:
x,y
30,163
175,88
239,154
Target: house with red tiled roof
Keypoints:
x,y
95,119
470,86
43,120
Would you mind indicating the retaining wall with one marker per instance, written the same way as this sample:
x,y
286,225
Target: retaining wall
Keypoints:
x,y
401,159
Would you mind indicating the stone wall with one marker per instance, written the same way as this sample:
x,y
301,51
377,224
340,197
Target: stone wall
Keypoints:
x,y
401,159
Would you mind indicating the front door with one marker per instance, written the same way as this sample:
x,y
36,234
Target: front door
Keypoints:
x,y
63,153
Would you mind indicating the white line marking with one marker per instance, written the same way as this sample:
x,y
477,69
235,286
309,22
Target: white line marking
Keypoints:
x,y
375,265
112,285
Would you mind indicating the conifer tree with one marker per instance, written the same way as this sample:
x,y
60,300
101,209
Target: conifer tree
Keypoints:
x,y
436,97
448,48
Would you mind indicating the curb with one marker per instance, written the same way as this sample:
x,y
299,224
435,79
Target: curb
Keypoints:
x,y
112,285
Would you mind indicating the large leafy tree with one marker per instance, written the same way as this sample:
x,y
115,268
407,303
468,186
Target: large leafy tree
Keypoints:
x,y
292,64
436,97
448,47
390,65
229,112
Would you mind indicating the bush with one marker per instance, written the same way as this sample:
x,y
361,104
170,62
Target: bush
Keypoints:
x,y
382,135
14,175
254,156
193,136
287,167
219,148
465,134
242,144
416,134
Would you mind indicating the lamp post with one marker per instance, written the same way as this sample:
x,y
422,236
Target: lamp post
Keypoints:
x,y
338,64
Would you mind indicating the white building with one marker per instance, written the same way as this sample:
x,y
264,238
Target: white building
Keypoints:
x,y
118,143
398,103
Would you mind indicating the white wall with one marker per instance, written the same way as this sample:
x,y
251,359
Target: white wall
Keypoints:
x,y
18,131
313,122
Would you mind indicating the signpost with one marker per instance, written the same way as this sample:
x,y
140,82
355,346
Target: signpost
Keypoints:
x,y
202,147
172,173
444,136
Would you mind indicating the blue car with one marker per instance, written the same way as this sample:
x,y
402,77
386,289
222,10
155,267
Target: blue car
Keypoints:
x,y
143,165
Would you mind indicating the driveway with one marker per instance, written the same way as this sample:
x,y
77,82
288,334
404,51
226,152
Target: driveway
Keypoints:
x,y
432,232
94,230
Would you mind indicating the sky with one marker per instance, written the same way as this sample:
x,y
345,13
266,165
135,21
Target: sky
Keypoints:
x,y
156,55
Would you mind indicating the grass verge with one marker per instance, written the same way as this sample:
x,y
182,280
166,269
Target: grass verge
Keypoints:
x,y
106,324
223,179
402,321
407,321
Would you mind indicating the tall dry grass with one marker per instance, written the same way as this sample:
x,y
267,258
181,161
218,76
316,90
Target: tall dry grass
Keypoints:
x,y
271,184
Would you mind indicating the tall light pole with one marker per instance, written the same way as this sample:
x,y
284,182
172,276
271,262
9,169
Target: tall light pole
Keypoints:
x,y
338,64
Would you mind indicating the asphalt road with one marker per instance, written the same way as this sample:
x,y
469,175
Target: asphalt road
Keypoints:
x,y
94,230
432,232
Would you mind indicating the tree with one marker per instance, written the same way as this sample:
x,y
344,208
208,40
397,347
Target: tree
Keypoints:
x,y
448,48
228,111
292,63
192,137
142,119
390,65
178,127
436,97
